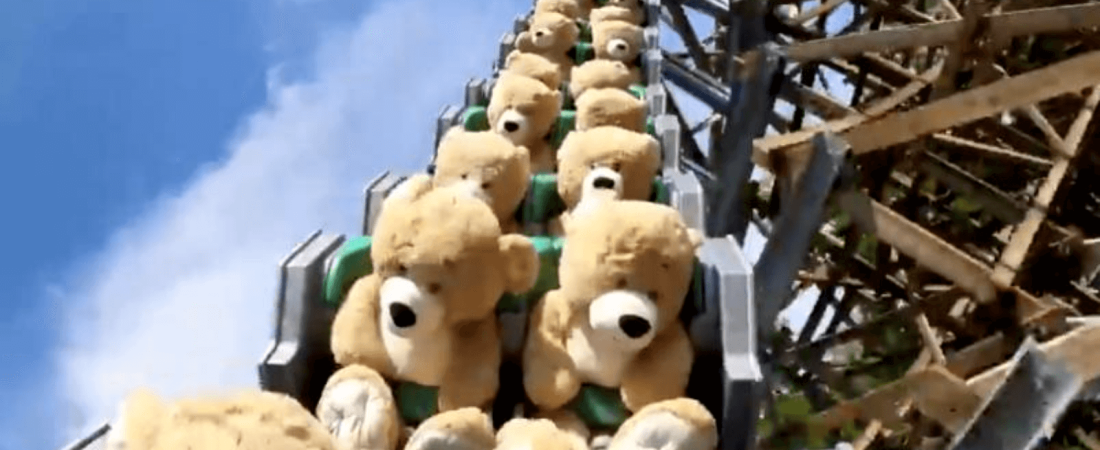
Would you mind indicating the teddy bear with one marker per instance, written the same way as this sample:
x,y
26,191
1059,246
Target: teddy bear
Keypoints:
x,y
611,330
618,40
535,66
553,36
601,164
681,423
610,107
632,11
537,433
487,165
419,335
602,73
525,111
254,419
573,9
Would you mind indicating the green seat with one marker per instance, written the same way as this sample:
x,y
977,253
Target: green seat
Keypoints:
x,y
543,202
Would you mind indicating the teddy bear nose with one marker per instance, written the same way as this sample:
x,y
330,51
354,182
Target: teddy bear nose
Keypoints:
x,y
620,46
402,315
633,326
511,126
603,183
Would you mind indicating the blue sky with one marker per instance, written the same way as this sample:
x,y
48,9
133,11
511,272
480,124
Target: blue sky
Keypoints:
x,y
161,157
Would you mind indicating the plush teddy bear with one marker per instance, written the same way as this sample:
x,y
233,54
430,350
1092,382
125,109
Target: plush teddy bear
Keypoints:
x,y
423,322
551,35
610,107
541,434
632,11
487,165
524,110
535,66
573,9
601,164
254,419
602,73
248,420
680,423
618,40
611,334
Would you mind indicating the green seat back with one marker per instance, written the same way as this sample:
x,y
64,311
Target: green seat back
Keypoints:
x,y
351,263
585,32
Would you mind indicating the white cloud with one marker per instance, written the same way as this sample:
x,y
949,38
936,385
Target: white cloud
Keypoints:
x,y
181,299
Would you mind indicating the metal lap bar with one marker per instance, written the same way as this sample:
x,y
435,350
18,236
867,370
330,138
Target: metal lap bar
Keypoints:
x,y
1025,407
375,192
686,195
301,323
91,438
798,222
729,309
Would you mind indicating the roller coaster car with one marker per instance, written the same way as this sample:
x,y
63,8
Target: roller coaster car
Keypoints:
x,y
719,310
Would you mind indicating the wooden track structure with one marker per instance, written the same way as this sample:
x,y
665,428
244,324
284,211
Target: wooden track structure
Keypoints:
x,y
964,223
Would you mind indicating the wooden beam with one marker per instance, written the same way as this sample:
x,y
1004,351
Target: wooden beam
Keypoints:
x,y
1011,24
1076,349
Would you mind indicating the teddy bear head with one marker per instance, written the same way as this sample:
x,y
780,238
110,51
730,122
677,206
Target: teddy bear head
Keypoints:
x,y
548,32
249,419
632,11
607,158
522,108
610,107
485,164
568,8
535,66
601,73
442,259
618,40
629,264
543,434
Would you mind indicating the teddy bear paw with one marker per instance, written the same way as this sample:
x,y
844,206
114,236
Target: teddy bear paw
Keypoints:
x,y
679,424
460,429
360,415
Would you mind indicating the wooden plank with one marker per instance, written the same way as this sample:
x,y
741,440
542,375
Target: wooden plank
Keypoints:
x,y
1056,79
1011,24
1076,349
927,249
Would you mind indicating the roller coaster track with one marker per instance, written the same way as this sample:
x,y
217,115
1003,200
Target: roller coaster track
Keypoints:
x,y
939,221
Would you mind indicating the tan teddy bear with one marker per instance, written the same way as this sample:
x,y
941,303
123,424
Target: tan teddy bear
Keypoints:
x,y
254,420
611,333
551,35
602,164
610,107
487,165
618,40
632,11
535,66
573,9
602,74
524,110
424,320
681,423
541,434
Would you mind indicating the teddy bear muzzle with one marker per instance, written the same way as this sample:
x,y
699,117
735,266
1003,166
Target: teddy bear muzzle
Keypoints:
x,y
513,126
408,310
626,317
542,38
618,48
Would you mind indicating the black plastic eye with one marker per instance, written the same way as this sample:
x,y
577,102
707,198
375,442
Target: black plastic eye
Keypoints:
x,y
486,185
621,284
652,295
434,288
401,268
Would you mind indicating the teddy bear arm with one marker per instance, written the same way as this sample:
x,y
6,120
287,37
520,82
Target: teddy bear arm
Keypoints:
x,y
549,375
660,371
472,377
356,338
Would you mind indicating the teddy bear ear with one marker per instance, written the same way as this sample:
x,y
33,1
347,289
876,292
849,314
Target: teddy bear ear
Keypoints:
x,y
412,188
696,237
520,263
